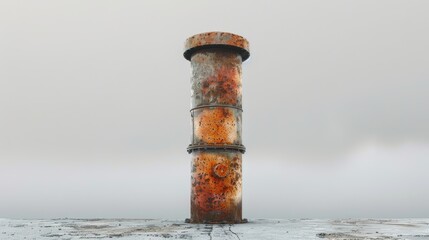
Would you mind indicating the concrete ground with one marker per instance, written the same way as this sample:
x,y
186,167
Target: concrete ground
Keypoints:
x,y
127,229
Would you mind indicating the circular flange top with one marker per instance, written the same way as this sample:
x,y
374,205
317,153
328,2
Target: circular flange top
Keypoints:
x,y
212,40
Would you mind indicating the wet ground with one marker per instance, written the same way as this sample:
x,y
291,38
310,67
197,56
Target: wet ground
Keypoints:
x,y
124,229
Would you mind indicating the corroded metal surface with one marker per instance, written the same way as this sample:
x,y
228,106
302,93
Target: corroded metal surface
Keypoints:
x,y
213,40
216,110
216,78
216,186
216,125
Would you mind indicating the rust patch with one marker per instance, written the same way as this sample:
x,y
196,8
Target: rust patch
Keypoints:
x,y
216,126
221,170
216,78
217,38
214,198
225,86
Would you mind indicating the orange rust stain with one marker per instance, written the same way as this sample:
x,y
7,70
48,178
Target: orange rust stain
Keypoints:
x,y
224,86
213,193
217,38
237,41
216,126
220,170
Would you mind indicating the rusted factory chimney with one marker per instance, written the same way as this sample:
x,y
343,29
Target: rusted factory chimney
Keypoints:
x,y
216,110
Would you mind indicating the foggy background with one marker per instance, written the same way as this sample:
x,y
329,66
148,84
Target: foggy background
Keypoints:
x,y
95,99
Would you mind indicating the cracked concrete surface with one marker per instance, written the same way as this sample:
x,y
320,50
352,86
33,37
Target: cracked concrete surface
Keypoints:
x,y
127,229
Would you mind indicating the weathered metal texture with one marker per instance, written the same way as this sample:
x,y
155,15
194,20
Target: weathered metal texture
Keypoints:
x,y
216,110
215,39
216,186
216,125
216,78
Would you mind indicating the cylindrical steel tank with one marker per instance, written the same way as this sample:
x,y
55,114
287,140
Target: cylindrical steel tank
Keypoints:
x,y
216,109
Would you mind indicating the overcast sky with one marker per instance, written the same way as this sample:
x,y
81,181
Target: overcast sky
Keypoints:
x,y
95,99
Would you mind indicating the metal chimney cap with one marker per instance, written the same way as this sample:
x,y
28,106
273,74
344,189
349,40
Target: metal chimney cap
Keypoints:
x,y
222,40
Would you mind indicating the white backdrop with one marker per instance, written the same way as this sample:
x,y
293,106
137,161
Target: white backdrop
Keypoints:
x,y
94,107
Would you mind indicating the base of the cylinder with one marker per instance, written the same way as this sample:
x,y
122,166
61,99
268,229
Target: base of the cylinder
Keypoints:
x,y
188,220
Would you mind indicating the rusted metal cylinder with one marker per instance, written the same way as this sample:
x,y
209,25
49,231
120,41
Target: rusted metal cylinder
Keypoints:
x,y
216,109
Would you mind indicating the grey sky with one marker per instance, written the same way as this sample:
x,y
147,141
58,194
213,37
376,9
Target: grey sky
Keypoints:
x,y
94,107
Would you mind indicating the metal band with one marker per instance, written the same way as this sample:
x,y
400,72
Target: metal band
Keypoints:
x,y
216,105
191,51
237,147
